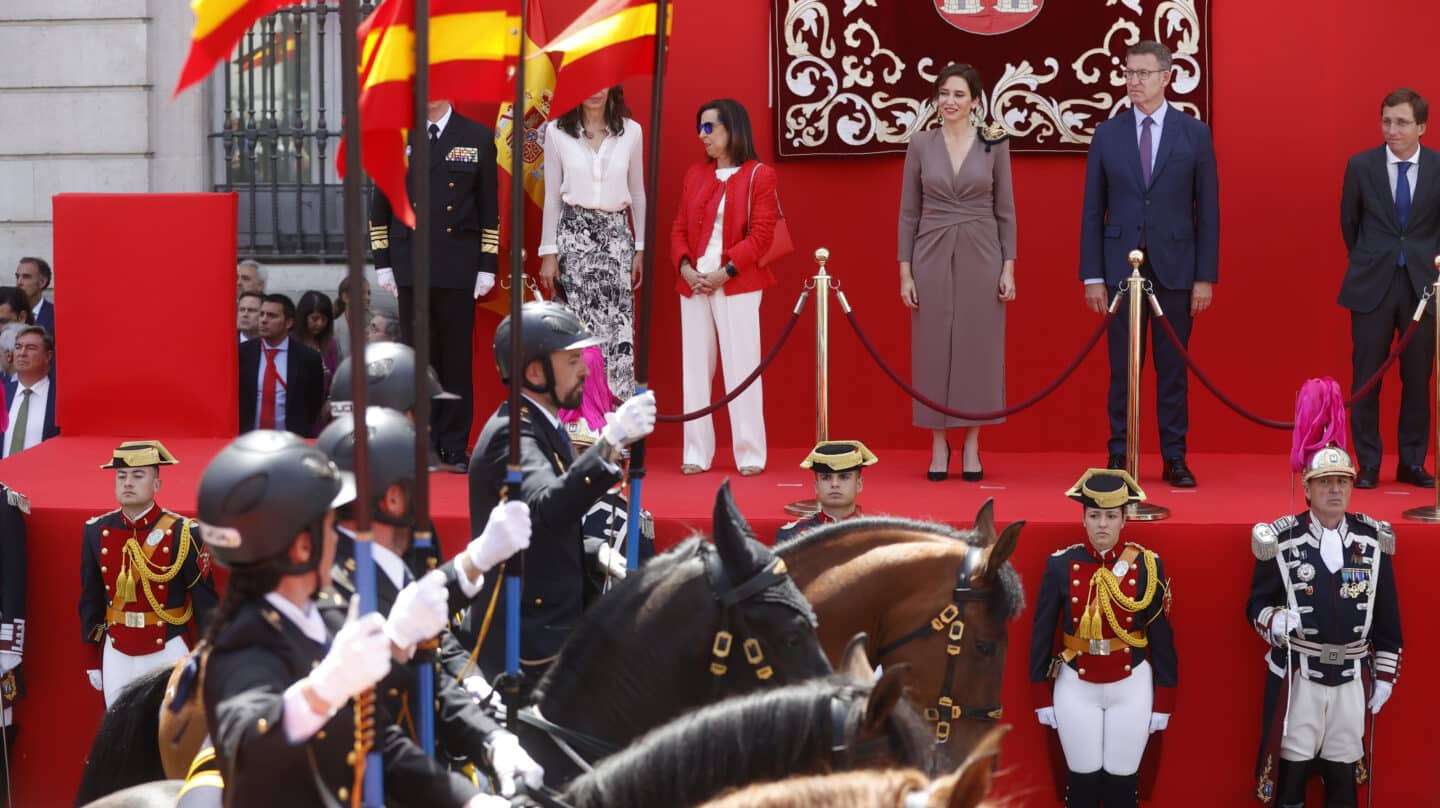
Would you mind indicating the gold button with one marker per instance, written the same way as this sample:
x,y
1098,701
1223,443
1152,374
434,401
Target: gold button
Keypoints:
x,y
1075,582
449,207
1082,671
104,569
169,531
452,185
1075,566
539,601
105,532
344,793
160,586
449,229
1127,668
104,550
587,480
164,549
1132,581
262,725
392,692
1129,619
107,587
320,736
159,641
1074,600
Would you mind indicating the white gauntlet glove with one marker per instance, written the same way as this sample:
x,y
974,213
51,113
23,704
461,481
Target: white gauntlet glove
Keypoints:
x,y
1283,623
484,282
1046,716
487,801
420,612
386,279
506,533
634,420
359,657
1380,696
511,763
611,562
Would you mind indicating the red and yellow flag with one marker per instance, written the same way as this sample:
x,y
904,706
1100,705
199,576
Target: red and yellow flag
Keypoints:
x,y
473,47
611,41
219,24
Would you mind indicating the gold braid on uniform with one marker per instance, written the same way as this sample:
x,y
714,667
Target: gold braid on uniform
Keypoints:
x,y
134,562
1105,592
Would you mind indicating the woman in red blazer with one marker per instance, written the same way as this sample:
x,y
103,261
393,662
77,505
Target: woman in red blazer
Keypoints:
x,y
718,255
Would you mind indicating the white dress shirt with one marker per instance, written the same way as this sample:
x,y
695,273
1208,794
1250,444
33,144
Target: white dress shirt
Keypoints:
x,y
35,419
282,365
299,719
715,247
39,307
1158,116
611,178
440,124
1392,167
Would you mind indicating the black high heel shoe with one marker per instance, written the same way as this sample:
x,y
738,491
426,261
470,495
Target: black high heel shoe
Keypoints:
x,y
940,476
974,476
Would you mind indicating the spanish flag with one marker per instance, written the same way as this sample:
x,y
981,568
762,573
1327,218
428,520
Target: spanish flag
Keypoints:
x,y
219,24
612,40
473,48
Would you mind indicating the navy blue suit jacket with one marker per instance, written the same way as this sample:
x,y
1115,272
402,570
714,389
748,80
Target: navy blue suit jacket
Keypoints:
x,y
1179,214
49,430
46,318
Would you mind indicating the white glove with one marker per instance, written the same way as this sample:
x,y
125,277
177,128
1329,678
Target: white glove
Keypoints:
x,y
505,534
484,282
358,658
477,687
1046,716
487,801
9,661
612,561
96,681
1283,623
634,420
421,611
512,763
386,279
1158,722
1380,695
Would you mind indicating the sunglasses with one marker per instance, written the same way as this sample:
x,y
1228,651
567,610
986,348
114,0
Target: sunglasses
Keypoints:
x,y
708,128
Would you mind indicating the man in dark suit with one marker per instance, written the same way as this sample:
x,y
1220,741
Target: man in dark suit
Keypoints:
x,y
31,395
1390,219
464,251
1150,183
284,389
33,276
558,487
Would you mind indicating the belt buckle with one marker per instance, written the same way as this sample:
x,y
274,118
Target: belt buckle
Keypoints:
x,y
1100,647
135,620
1332,654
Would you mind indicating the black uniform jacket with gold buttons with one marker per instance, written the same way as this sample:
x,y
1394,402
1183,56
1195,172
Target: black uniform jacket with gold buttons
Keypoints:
x,y
258,654
559,488
460,725
464,211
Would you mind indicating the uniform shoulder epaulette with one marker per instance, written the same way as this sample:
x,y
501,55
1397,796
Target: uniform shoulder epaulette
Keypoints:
x,y
1064,550
1265,537
92,520
1284,523
792,525
1142,548
992,135
1384,532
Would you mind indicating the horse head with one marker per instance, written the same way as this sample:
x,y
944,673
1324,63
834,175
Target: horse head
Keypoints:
x,y
969,784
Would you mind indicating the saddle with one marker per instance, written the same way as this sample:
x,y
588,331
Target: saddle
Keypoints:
x,y
183,727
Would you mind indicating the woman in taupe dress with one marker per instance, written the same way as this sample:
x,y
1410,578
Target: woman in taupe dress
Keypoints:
x,y
957,267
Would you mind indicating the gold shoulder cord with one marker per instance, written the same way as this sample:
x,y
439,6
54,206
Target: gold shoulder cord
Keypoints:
x,y
152,573
1105,592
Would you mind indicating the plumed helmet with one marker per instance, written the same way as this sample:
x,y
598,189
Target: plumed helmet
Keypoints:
x,y
261,491
389,379
545,328
391,443
1332,461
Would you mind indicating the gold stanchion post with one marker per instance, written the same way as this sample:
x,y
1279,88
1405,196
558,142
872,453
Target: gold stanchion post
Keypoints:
x,y
1431,513
822,282
1135,288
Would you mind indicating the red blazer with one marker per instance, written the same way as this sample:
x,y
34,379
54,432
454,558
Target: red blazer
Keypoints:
x,y
695,219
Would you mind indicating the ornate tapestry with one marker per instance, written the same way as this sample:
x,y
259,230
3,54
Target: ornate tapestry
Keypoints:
x,y
855,77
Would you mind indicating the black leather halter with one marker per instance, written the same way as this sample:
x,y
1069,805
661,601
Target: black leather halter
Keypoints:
x,y
949,622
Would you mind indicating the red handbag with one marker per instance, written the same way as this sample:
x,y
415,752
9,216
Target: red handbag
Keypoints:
x,y
781,244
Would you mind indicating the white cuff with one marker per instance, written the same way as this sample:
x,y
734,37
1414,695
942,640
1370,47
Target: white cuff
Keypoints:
x,y
640,245
468,589
547,249
300,720
1089,281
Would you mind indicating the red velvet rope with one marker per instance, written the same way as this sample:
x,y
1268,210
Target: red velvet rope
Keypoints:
x,y
980,416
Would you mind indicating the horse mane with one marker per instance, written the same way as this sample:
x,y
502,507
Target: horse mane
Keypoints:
x,y
590,634
858,789
1007,598
126,749
766,735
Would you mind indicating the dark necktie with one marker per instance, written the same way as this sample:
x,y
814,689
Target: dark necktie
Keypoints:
x,y
22,420
1146,149
1402,197
434,133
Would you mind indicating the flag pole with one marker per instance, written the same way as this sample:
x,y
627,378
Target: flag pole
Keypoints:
x,y
516,565
359,394
647,277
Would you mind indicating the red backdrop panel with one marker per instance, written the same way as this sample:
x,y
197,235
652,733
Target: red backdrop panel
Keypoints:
x,y
148,345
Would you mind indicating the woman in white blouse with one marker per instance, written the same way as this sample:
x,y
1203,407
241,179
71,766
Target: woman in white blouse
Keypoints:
x,y
589,254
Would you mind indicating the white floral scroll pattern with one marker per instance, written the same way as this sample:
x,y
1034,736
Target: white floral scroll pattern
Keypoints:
x,y
843,91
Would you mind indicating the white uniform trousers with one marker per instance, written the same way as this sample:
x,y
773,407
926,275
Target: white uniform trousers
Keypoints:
x,y
1325,722
735,319
118,669
1104,726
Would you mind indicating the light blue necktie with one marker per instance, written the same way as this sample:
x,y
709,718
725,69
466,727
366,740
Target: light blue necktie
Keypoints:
x,y
1402,198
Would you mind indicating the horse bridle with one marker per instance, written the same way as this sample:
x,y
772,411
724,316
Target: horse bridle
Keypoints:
x,y
949,622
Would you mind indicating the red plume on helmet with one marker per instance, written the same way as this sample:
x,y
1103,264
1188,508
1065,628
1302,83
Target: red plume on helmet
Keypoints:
x,y
1319,421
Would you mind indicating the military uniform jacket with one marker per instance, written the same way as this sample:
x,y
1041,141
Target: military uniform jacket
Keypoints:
x,y
464,211
1345,614
1061,604
119,594
459,723
790,530
258,654
559,489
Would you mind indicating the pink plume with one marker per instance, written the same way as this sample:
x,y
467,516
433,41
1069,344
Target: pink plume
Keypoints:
x,y
1319,421
597,400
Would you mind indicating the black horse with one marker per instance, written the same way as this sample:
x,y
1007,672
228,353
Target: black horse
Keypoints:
x,y
645,653
837,723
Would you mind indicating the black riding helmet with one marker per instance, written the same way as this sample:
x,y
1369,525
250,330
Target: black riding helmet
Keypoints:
x,y
262,491
545,328
389,379
391,445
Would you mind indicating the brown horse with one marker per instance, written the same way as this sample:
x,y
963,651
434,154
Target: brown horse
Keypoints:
x,y
927,595
890,788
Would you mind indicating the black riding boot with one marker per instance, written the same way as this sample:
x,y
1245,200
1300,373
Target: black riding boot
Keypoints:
x,y
1083,790
1290,783
1120,790
1340,788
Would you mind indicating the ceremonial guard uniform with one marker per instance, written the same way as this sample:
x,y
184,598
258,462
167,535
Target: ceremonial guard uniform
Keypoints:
x,y
831,458
606,526
1114,667
145,582
1325,601
13,507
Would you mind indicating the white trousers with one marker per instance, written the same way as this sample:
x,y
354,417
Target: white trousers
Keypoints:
x,y
735,320
1104,726
119,669
1325,722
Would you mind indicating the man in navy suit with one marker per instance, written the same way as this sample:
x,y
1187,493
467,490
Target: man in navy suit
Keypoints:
x,y
1390,219
30,396
1150,183
282,382
33,276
